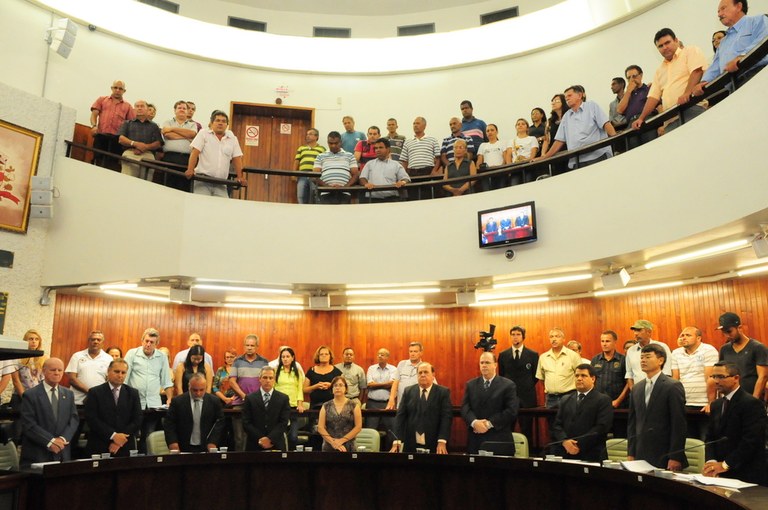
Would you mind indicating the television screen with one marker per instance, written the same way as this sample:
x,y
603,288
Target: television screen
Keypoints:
x,y
504,226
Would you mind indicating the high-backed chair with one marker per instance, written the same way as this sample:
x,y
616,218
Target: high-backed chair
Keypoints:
x,y
521,445
696,454
9,457
156,443
370,439
617,449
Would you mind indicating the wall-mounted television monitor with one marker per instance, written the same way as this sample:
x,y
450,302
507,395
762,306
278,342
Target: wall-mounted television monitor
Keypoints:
x,y
505,226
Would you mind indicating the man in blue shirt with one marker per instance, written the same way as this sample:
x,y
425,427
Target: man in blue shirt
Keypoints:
x,y
743,34
350,137
585,123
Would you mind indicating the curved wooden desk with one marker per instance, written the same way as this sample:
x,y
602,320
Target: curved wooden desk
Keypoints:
x,y
319,481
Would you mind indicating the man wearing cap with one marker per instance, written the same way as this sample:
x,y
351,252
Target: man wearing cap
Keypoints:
x,y
748,354
643,330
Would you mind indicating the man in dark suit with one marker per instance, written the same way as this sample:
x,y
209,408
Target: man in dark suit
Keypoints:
x,y
48,417
739,421
424,416
265,415
489,407
583,420
113,413
195,419
657,424
518,363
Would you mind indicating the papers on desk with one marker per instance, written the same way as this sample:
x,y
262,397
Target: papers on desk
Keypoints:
x,y
637,466
729,483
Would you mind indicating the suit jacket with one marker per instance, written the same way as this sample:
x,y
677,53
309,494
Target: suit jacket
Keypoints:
x,y
743,424
178,421
39,427
659,429
522,372
437,417
589,421
271,422
104,418
498,404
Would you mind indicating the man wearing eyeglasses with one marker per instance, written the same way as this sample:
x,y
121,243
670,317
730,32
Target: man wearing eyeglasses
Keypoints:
x,y
738,422
632,103
746,353
107,115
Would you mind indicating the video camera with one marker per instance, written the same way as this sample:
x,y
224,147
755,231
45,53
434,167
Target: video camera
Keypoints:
x,y
487,343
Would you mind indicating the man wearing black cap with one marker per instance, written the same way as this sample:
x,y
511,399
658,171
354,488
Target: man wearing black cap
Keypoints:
x,y
748,354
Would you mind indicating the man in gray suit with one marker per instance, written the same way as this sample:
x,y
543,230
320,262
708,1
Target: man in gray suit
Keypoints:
x,y
48,417
657,425
490,406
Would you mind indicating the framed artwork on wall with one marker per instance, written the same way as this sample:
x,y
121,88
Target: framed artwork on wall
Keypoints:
x,y
19,156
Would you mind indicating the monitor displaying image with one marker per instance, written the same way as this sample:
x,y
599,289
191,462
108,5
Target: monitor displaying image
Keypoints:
x,y
504,226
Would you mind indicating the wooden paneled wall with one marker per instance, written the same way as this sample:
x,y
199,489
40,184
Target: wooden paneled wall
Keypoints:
x,y
447,334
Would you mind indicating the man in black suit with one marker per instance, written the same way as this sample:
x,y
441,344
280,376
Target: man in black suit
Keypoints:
x,y
113,413
657,424
583,420
518,363
739,421
489,407
195,419
48,417
265,415
424,416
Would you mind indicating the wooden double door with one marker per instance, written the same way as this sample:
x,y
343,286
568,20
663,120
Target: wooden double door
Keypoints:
x,y
269,136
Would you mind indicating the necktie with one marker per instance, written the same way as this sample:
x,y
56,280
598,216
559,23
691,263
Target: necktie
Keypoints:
x,y
266,400
116,393
725,407
648,390
581,398
487,384
422,411
517,355
55,404
194,439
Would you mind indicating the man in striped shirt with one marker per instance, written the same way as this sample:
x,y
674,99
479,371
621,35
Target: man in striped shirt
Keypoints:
x,y
420,155
692,364
337,169
305,162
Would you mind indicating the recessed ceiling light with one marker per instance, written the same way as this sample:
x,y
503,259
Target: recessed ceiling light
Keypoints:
x,y
698,254
639,288
544,281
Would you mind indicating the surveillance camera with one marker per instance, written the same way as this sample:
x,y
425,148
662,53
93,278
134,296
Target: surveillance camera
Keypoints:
x,y
510,254
92,28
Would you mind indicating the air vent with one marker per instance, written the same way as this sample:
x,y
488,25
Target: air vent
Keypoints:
x,y
424,28
493,17
333,32
247,24
162,4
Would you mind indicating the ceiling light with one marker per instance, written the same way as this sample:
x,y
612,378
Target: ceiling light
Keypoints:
x,y
118,286
385,307
544,281
486,295
135,295
752,270
640,288
499,302
230,288
697,254
390,291
263,306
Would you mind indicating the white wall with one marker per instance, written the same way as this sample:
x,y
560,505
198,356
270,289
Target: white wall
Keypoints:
x,y
24,280
501,91
361,21
659,193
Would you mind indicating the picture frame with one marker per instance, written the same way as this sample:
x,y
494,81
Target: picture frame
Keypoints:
x,y
19,157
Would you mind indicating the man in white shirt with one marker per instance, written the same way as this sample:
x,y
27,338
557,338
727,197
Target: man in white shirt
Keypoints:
x,y
643,330
213,149
88,368
181,357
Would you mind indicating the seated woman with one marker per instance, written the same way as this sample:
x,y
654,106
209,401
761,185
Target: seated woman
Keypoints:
x,y
290,380
194,364
521,149
340,419
461,166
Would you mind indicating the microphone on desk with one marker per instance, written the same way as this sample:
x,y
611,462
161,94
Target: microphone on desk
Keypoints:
x,y
218,420
714,441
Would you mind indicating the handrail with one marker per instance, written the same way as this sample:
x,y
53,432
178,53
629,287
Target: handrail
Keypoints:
x,y
714,92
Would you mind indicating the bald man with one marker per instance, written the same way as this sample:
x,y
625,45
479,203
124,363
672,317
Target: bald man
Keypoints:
x,y
48,417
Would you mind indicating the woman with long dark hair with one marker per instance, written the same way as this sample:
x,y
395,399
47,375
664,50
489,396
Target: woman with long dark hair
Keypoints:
x,y
194,364
290,380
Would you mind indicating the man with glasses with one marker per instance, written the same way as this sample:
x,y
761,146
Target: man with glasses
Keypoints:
x,y
107,115
632,103
749,355
738,426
